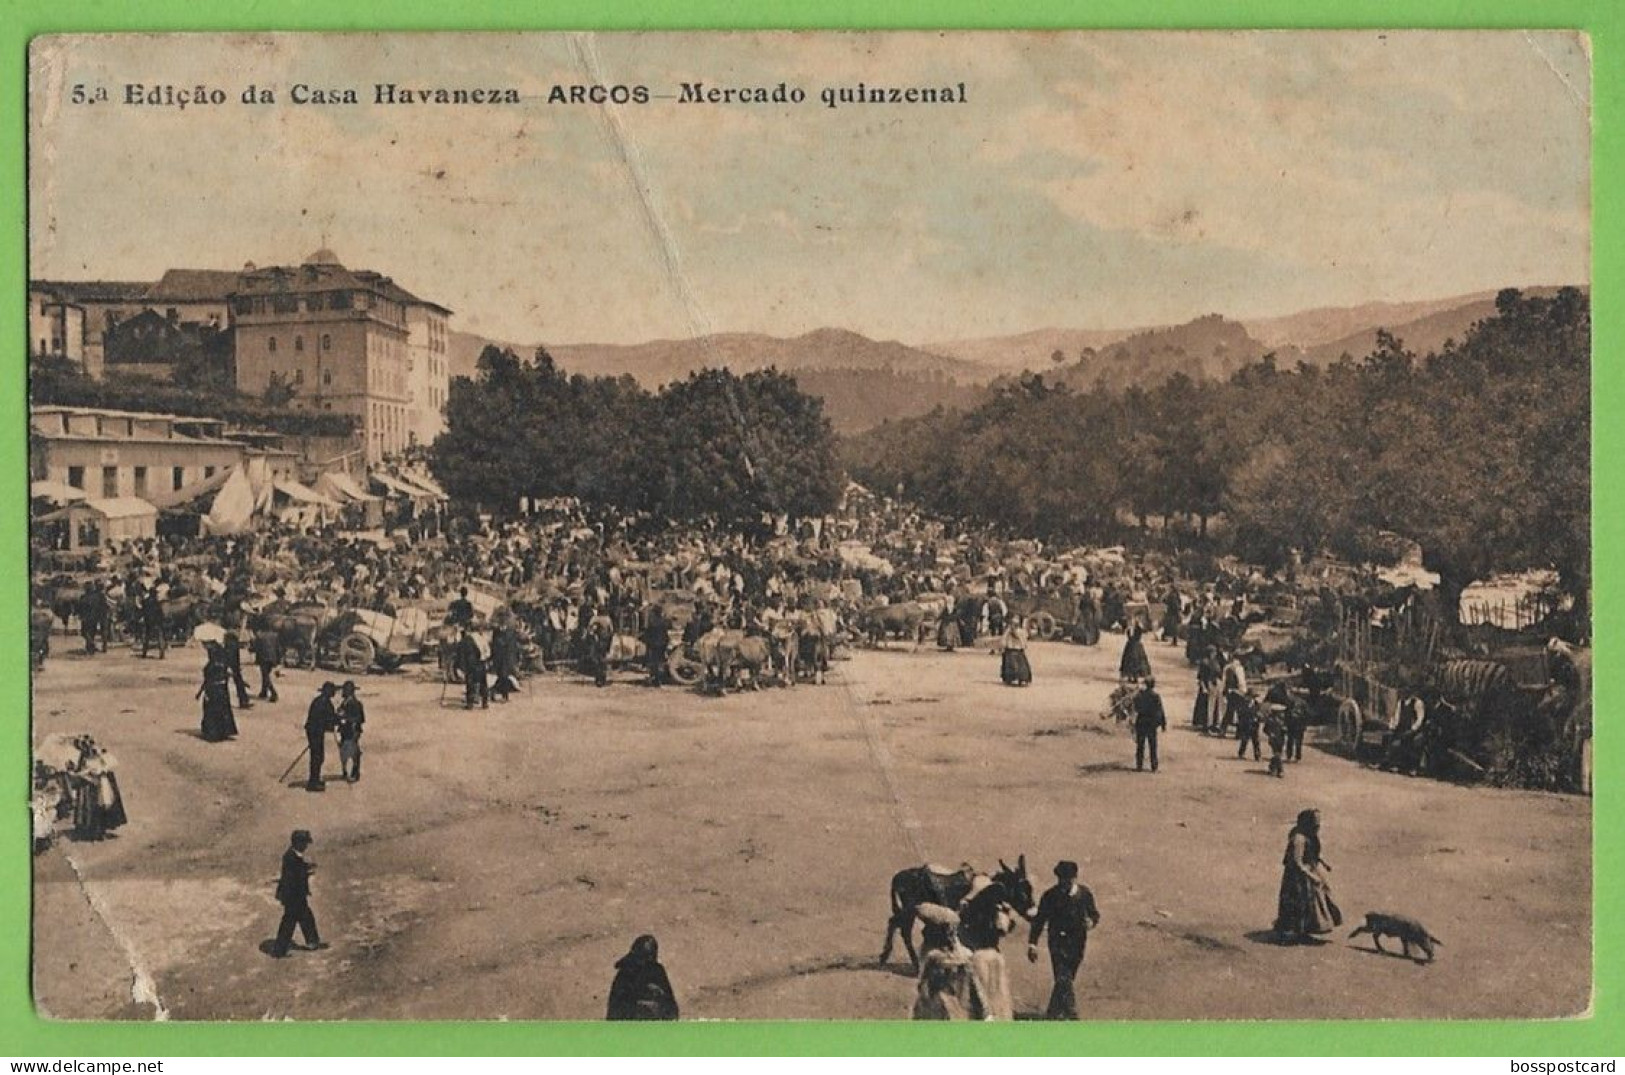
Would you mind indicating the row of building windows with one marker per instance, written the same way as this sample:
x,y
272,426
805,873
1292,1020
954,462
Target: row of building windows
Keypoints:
x,y
139,479
293,304
299,343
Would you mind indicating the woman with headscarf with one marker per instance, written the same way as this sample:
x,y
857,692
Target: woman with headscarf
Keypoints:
x,y
98,808
1014,668
985,917
1305,908
641,991
218,722
1135,665
947,990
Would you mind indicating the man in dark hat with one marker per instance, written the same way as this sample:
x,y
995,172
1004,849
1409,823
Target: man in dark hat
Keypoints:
x,y
293,892
1068,910
351,716
461,611
319,720
1149,719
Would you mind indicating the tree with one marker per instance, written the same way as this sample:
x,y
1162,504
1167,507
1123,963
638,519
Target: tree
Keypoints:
x,y
279,391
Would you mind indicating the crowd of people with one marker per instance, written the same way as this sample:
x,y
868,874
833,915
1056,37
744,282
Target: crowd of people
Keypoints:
x,y
564,585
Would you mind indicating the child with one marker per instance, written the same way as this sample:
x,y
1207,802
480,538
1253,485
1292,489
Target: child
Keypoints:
x,y
1275,732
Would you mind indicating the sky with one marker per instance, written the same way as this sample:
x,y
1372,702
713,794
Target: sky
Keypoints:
x,y
1091,180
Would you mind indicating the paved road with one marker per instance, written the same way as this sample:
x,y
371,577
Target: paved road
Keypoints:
x,y
495,864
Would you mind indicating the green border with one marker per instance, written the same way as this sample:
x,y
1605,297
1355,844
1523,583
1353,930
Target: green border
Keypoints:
x,y
23,1034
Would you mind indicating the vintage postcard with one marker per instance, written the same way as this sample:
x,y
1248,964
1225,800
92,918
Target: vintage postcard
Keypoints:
x,y
988,526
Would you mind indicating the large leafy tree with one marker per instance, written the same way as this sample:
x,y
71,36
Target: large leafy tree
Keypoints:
x,y
715,445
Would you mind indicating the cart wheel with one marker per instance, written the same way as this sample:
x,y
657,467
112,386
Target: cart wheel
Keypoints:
x,y
685,671
1044,625
356,654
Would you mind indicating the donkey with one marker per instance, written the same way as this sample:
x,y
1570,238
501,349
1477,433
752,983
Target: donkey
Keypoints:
x,y
922,884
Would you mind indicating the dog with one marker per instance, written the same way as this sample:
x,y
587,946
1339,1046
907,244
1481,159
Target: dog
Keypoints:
x,y
1408,930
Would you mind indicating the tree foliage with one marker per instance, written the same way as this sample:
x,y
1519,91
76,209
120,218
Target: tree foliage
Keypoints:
x,y
53,380
1480,452
716,445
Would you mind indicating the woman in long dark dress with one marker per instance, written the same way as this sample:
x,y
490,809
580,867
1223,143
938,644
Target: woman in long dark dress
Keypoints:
x,y
641,990
218,722
1305,908
1014,668
1135,665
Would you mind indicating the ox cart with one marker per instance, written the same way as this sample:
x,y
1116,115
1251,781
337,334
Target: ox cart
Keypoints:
x,y
358,641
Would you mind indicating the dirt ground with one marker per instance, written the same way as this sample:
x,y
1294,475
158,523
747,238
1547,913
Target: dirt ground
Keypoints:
x,y
495,864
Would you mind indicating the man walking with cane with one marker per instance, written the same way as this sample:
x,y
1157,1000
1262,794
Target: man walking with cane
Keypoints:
x,y
319,720
1068,909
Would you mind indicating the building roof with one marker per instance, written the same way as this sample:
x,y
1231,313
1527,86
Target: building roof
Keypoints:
x,y
395,291
324,275
321,271
107,412
119,507
295,279
92,290
193,285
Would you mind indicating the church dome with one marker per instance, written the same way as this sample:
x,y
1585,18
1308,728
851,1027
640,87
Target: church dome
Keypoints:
x,y
324,256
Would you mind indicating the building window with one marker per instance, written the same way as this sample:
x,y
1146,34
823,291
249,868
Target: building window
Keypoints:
x,y
327,377
76,477
177,477
298,376
208,472
298,343
140,481
327,342
270,344
110,481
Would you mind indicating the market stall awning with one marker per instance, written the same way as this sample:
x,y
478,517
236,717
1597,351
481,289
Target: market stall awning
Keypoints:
x,y
340,486
56,492
394,485
424,482
114,507
303,494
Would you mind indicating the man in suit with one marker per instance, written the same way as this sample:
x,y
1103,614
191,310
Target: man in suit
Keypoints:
x,y
471,663
1068,911
1149,719
152,623
293,892
232,648
319,720
351,716
267,655
657,644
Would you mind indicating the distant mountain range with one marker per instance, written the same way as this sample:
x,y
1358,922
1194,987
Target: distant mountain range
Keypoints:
x,y
865,381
